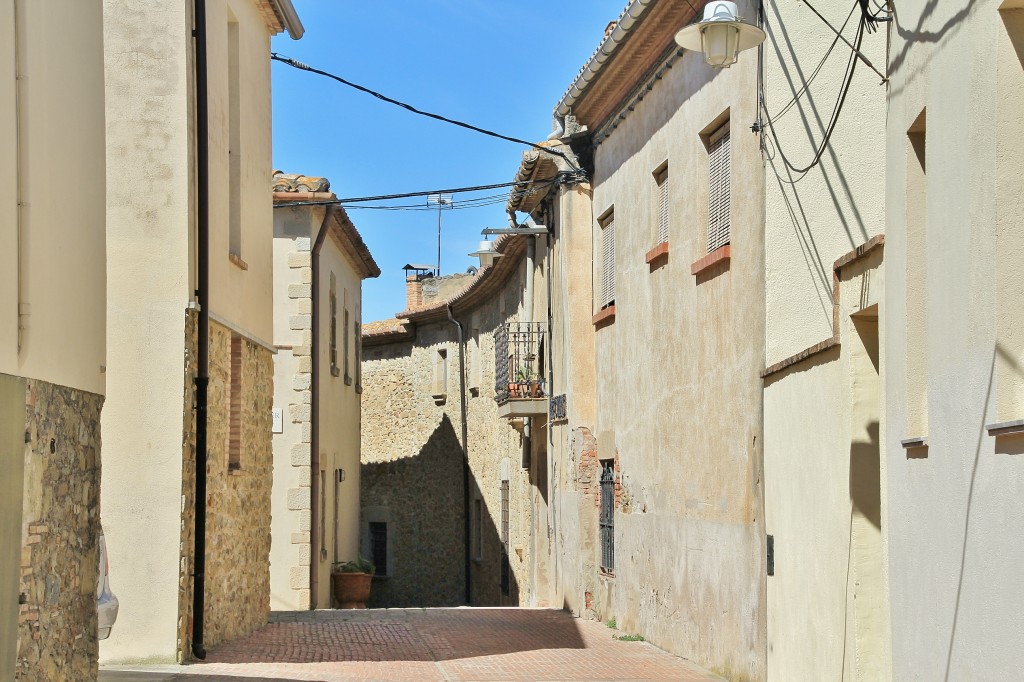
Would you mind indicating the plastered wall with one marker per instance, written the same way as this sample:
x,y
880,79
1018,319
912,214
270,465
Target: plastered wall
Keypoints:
x,y
816,439
678,392
52,275
955,508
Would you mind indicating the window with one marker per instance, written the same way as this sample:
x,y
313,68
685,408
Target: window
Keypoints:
x,y
440,388
661,178
478,529
344,349
719,187
358,331
379,546
917,281
607,520
334,328
476,361
235,406
234,142
607,291
506,569
504,513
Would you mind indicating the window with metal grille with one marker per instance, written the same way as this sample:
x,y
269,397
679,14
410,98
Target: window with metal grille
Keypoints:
x,y
607,291
607,520
379,546
235,406
661,177
478,529
504,513
719,187
506,569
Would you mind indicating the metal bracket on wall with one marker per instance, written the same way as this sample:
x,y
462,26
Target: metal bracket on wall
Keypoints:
x,y
771,555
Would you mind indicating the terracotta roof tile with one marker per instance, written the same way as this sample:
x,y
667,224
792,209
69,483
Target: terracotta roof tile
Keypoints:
x,y
293,182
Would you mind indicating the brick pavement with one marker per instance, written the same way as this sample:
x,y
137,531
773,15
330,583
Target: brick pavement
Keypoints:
x,y
427,644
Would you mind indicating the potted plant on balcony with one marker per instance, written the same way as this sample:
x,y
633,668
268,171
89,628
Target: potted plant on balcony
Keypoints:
x,y
350,581
528,385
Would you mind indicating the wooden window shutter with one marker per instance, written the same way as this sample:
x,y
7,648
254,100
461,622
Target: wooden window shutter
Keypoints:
x,y
718,189
663,206
608,260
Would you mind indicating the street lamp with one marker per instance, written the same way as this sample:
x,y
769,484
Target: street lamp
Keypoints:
x,y
486,253
721,35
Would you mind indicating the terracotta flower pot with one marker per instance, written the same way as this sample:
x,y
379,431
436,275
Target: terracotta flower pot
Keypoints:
x,y
351,590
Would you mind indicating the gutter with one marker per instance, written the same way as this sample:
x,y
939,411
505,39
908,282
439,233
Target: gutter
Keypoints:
x,y
291,18
623,26
465,459
202,379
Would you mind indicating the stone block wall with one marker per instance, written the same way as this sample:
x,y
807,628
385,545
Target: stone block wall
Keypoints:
x,y
237,599
61,526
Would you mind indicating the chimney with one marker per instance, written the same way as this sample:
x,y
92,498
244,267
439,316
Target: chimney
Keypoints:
x,y
413,291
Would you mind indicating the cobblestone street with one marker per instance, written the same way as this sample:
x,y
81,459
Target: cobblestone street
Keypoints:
x,y
426,644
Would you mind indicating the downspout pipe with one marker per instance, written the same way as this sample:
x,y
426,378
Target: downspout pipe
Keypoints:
x,y
314,406
202,380
465,450
531,256
627,20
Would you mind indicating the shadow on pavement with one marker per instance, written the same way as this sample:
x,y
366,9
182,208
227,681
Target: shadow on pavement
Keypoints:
x,y
408,635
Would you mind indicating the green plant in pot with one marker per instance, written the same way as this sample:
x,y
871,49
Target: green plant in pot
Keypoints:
x,y
350,581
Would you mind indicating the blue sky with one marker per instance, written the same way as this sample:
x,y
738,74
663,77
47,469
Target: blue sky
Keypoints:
x,y
498,64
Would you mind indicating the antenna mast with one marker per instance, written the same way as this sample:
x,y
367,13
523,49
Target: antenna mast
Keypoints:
x,y
439,200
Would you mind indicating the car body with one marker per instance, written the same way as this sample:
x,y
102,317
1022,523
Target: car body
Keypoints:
x,y
106,602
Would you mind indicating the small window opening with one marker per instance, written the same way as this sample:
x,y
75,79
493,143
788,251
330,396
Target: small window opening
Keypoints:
x,y
235,406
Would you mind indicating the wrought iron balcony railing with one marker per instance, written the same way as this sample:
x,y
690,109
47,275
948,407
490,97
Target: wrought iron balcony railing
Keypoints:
x,y
519,361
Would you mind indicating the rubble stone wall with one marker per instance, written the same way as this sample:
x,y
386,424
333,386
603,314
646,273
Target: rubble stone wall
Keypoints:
x,y
60,530
237,597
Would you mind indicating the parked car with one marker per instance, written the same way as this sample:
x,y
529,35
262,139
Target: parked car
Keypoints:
x,y
106,602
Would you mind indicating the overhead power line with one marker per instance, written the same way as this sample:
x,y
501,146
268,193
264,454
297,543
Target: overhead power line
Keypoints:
x,y
527,188
305,67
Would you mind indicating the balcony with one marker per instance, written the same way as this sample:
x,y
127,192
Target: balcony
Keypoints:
x,y
519,386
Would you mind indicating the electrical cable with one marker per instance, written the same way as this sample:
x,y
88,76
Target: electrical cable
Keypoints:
x,y
836,111
305,67
817,69
527,188
856,50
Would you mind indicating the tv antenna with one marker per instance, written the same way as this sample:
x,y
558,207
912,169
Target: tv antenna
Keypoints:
x,y
441,200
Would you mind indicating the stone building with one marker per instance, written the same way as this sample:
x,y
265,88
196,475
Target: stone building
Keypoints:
x,y
154,321
52,336
655,466
320,262
417,481
823,398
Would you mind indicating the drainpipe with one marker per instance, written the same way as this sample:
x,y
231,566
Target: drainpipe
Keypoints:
x,y
203,341
21,307
531,254
314,406
465,450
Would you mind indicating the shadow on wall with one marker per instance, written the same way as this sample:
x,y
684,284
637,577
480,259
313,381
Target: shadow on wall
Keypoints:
x,y
419,501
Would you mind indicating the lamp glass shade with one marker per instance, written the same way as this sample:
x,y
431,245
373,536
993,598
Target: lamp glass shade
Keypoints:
x,y
720,43
486,253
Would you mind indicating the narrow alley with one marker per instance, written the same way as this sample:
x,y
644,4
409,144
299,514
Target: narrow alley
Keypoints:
x,y
427,644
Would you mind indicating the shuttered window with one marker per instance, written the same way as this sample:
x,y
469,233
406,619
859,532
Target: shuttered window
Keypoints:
x,y
608,260
661,177
718,189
